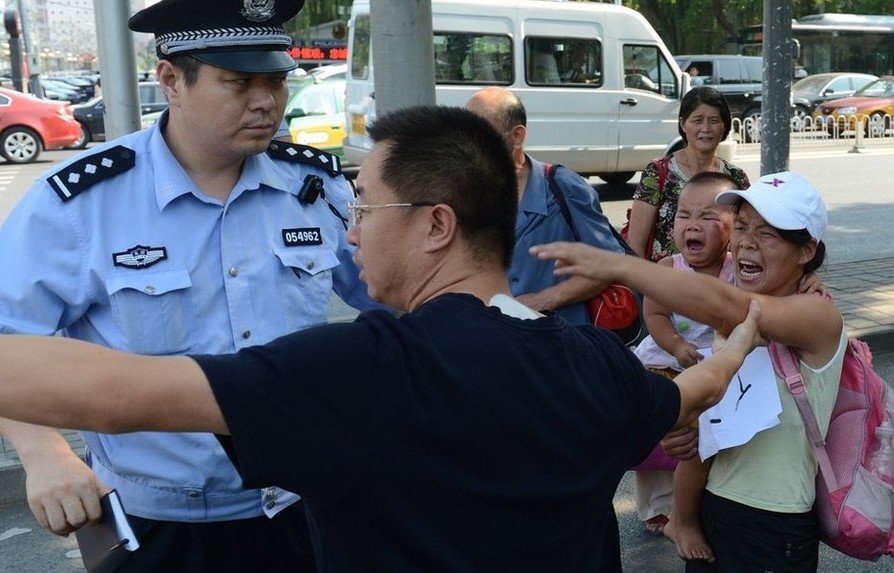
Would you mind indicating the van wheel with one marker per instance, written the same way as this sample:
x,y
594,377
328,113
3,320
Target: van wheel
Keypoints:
x,y
618,178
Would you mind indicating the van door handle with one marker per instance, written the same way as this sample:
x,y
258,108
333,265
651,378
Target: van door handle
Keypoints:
x,y
629,101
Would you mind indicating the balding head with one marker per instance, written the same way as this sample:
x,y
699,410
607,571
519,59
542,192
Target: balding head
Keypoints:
x,y
506,112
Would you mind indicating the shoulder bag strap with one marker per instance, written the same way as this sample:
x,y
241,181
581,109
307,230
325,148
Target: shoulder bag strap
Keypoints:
x,y
549,171
786,363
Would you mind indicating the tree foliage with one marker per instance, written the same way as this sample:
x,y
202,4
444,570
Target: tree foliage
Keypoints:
x,y
686,26
712,26
317,12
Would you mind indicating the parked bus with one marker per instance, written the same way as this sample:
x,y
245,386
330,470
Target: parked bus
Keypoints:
x,y
837,43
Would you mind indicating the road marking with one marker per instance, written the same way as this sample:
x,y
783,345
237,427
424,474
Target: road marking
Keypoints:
x,y
13,532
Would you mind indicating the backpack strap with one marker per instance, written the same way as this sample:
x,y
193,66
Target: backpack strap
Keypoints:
x,y
549,171
787,365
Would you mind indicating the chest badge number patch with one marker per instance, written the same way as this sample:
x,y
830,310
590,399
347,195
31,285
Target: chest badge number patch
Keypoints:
x,y
302,237
139,257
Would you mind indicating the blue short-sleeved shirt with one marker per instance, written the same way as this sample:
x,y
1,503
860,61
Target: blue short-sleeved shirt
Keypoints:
x,y
540,221
142,261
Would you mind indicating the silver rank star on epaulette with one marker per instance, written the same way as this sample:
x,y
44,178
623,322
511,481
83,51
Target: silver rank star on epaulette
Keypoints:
x,y
305,154
83,173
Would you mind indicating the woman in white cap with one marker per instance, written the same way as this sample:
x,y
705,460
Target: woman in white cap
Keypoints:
x,y
756,508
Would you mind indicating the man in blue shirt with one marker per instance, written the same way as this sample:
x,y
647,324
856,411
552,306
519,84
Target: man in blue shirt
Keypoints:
x,y
197,235
540,218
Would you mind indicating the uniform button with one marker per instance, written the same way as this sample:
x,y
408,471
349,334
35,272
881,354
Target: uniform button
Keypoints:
x,y
515,281
310,266
193,494
234,271
246,334
270,503
149,289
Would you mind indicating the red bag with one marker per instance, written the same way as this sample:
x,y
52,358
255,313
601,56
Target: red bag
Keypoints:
x,y
617,308
662,166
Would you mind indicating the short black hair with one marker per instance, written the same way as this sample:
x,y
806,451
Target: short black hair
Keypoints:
x,y
188,65
712,177
453,156
708,96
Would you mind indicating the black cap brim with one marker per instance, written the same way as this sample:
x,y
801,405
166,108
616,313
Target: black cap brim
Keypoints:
x,y
252,61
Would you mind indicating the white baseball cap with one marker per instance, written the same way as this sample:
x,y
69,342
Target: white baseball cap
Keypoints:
x,y
784,200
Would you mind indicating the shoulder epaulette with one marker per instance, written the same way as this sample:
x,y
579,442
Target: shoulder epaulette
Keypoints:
x,y
80,175
305,154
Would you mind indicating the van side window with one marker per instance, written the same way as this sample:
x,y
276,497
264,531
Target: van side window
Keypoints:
x,y
463,58
571,62
646,68
754,72
728,72
360,48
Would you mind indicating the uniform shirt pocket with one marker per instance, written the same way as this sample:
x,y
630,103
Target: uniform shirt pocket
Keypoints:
x,y
153,310
307,284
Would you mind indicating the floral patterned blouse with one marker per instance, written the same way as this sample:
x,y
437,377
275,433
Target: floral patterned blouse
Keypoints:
x,y
666,199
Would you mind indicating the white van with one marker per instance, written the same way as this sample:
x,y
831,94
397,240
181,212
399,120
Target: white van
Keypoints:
x,y
601,90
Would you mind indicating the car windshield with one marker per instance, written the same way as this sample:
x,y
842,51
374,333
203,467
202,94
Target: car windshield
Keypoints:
x,y
810,84
878,88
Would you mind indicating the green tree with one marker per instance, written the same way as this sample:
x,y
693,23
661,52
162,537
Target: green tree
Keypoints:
x,y
684,27
317,12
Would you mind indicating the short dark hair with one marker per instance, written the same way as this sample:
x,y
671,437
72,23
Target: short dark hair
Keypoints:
x,y
712,177
453,156
708,96
188,65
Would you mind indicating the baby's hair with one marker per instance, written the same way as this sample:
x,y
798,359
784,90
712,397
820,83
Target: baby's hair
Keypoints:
x,y
715,177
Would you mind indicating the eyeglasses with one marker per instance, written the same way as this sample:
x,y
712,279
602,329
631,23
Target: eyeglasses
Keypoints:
x,y
357,210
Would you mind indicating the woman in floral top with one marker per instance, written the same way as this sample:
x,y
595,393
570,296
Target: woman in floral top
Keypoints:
x,y
705,121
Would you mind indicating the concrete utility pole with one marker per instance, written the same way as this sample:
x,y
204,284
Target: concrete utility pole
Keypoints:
x,y
30,53
13,25
403,53
777,86
117,67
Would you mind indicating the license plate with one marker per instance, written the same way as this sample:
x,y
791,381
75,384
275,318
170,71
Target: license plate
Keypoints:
x,y
358,124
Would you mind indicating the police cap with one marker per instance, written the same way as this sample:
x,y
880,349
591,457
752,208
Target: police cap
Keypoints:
x,y
238,35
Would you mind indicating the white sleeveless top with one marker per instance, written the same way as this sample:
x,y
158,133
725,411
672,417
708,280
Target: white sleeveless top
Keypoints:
x,y
701,335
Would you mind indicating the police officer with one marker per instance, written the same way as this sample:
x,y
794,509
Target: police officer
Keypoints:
x,y
198,235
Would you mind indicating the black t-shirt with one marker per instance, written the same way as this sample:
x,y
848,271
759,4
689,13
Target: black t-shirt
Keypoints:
x,y
453,438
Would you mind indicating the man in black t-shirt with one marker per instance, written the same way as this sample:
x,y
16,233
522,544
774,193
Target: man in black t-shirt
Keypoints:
x,y
470,434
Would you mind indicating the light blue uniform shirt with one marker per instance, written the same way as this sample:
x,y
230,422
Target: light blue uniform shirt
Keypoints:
x,y
540,221
142,261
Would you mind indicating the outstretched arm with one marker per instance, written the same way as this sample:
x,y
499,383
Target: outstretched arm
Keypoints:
x,y
808,323
703,385
701,297
66,383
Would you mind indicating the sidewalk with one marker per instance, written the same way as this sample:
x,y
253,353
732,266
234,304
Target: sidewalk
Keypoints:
x,y
863,291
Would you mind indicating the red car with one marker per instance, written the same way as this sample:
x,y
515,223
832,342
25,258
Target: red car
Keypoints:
x,y
29,125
